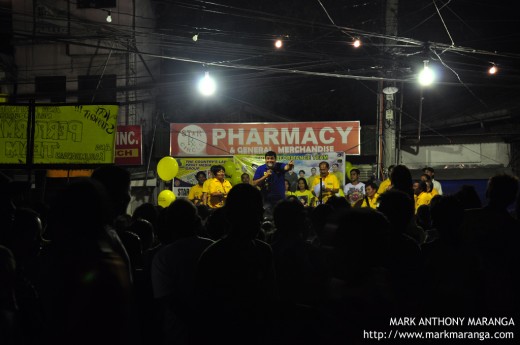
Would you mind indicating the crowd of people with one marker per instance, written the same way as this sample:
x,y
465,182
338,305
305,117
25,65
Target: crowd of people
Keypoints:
x,y
247,265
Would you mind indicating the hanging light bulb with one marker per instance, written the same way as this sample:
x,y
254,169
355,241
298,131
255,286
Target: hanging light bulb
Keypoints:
x,y
356,43
278,44
207,85
426,76
492,70
109,16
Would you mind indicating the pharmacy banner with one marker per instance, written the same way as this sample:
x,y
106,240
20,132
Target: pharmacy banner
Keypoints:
x,y
64,134
129,145
218,139
305,164
188,168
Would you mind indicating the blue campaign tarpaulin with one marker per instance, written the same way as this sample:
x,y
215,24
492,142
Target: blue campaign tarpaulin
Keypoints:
x,y
453,186
480,185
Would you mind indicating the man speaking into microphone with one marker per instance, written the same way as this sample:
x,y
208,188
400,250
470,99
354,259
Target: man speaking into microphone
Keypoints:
x,y
270,177
326,185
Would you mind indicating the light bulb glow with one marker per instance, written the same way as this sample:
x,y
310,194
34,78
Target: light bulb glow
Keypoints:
x,y
356,43
109,17
278,44
207,85
426,76
492,70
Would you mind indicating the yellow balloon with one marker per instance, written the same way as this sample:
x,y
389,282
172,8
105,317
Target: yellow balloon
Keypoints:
x,y
167,168
230,168
165,198
348,165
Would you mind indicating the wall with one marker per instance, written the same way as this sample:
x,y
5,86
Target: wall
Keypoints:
x,y
457,156
85,29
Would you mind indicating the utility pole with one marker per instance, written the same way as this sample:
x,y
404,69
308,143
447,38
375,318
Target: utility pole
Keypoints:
x,y
389,90
131,75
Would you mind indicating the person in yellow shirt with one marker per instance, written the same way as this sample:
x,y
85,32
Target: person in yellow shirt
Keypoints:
x,y
429,184
195,194
205,186
383,187
329,184
436,184
422,197
310,179
218,187
370,198
303,193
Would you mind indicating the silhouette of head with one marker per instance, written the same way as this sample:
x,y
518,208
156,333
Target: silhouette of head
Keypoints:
x,y
446,213
182,219
244,210
360,240
468,197
402,179
338,203
501,190
116,181
26,238
398,207
144,229
289,216
146,211
80,210
217,225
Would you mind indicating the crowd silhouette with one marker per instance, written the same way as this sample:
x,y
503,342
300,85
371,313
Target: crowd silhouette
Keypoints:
x,y
82,271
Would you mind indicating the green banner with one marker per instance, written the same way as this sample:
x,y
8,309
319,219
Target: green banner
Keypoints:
x,y
63,134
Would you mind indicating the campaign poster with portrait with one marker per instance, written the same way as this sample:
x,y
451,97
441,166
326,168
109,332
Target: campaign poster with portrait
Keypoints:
x,y
188,168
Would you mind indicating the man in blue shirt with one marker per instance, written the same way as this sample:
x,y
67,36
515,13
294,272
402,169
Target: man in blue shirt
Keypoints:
x,y
270,178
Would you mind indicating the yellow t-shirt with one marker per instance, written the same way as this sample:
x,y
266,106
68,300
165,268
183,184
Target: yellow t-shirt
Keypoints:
x,y
205,189
217,201
422,199
329,182
195,194
306,197
384,186
372,202
310,180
